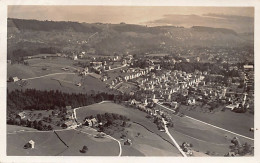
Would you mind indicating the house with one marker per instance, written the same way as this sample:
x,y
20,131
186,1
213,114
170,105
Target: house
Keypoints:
x,y
30,144
65,68
115,58
144,101
104,78
191,101
128,142
14,79
22,115
133,102
232,154
91,122
84,73
75,57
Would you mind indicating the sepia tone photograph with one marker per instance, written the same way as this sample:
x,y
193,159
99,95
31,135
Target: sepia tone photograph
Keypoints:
x,y
130,81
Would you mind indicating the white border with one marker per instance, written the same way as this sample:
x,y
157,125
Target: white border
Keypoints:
x,y
3,75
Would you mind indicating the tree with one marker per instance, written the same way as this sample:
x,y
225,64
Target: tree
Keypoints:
x,y
50,127
84,149
123,124
64,125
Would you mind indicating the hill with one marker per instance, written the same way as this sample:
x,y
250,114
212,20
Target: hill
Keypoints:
x,y
31,37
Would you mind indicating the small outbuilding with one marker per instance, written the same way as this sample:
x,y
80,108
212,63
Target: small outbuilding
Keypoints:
x,y
30,144
13,79
128,142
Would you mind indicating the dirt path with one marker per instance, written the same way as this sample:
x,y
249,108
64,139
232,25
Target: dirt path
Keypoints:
x,y
48,75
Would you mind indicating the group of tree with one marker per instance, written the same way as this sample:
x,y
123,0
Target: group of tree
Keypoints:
x,y
37,25
108,119
84,149
212,68
141,63
240,149
31,99
18,54
39,125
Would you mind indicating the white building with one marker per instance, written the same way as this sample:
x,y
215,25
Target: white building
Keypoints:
x,y
31,143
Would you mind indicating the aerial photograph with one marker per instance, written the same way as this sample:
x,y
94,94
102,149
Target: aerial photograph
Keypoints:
x,y
130,81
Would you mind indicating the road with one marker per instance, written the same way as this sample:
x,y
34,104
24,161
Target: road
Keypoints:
x,y
62,73
208,124
174,141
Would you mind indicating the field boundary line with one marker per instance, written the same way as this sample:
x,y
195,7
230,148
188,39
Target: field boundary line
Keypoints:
x,y
209,124
60,138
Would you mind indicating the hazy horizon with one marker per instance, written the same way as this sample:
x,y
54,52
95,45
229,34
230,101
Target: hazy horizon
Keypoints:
x,y
240,19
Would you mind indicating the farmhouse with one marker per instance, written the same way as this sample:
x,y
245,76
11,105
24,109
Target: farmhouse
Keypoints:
x,y
191,101
75,57
90,122
22,115
14,79
128,142
104,78
79,84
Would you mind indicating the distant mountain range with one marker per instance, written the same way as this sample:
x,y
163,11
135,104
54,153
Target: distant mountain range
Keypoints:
x,y
29,36
241,24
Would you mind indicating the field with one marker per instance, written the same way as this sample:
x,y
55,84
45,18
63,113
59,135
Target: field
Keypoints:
x,y
237,122
148,143
48,144
203,137
47,74
76,140
152,139
34,69
14,128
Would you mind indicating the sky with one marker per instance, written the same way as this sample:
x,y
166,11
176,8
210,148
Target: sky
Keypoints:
x,y
240,19
116,14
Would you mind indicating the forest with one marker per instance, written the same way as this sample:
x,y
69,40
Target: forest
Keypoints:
x,y
31,99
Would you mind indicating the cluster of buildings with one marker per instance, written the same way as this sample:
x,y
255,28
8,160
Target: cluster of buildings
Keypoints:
x,y
148,106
